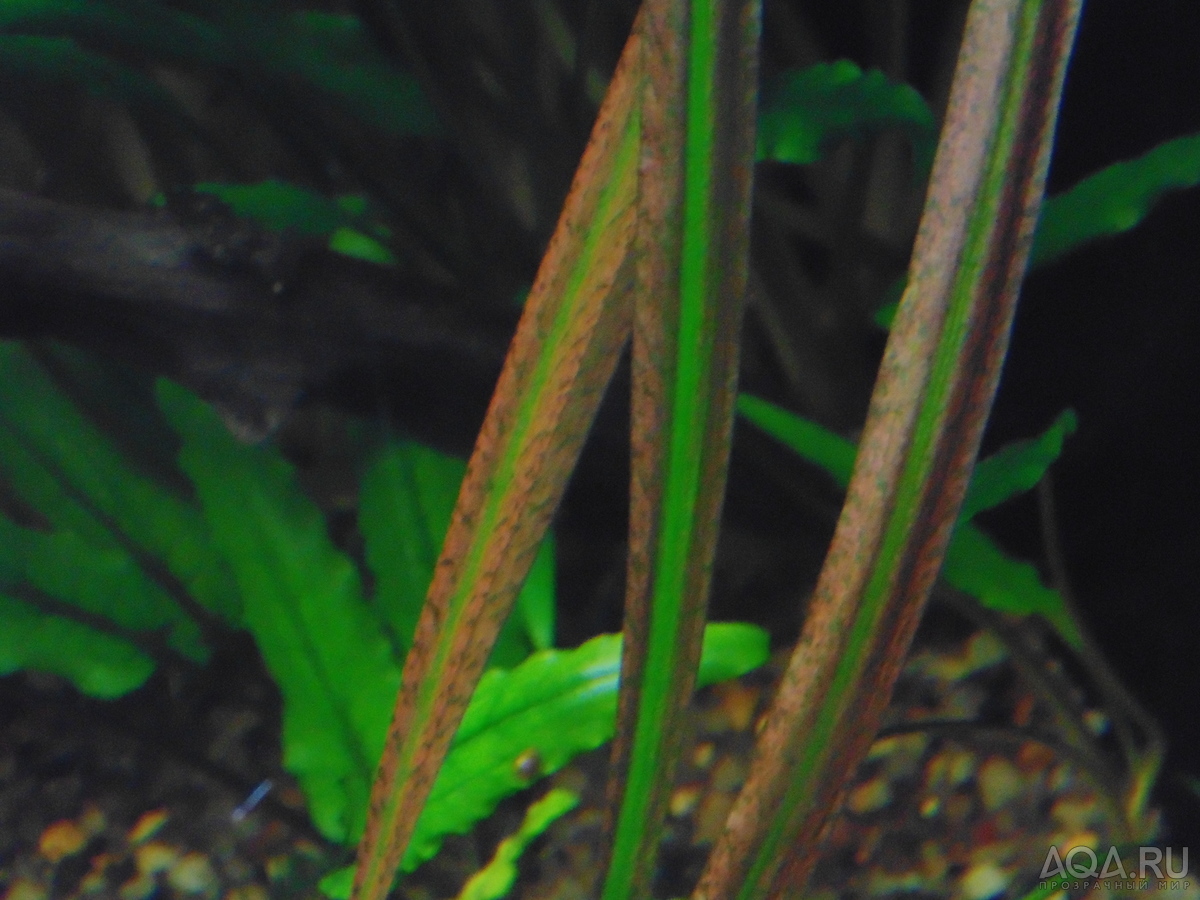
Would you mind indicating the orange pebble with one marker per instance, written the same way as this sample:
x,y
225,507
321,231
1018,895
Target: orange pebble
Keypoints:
x,y
62,839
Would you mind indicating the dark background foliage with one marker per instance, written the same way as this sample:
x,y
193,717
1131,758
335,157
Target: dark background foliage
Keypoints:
x,y
1112,331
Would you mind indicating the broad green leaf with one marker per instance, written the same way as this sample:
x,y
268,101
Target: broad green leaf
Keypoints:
x,y
407,496
1016,467
99,585
496,879
97,663
557,704
1115,199
806,110
67,469
322,643
975,565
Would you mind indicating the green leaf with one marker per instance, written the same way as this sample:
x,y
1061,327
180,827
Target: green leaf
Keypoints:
x,y
1115,199
99,664
806,439
67,469
100,585
805,110
975,565
136,26
557,704
333,53
1016,467
62,60
358,245
279,205
1108,202
407,495
322,643
496,879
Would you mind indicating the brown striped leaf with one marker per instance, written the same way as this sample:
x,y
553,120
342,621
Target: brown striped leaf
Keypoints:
x,y
698,104
575,322
931,400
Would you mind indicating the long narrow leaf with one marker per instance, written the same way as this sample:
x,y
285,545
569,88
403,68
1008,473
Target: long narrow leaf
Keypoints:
x,y
575,322
700,64
930,403
408,495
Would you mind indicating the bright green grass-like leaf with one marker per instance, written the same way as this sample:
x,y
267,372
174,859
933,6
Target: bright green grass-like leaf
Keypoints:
x,y
321,641
496,879
974,564
67,469
1115,199
557,704
407,496
807,109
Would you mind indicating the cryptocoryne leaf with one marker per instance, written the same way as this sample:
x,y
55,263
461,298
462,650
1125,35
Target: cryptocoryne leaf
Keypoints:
x,y
72,473
974,564
1115,199
321,641
1016,467
804,111
496,879
553,706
